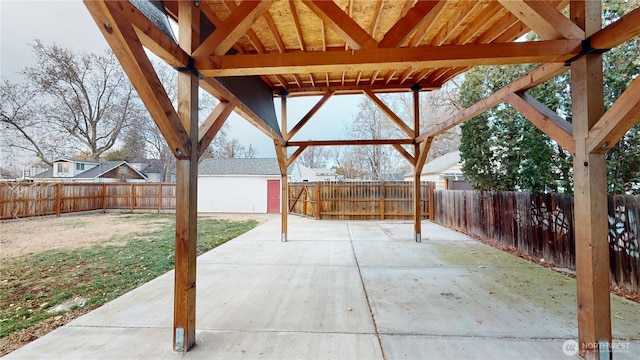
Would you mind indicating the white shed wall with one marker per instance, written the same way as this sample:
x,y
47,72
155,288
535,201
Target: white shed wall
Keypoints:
x,y
241,194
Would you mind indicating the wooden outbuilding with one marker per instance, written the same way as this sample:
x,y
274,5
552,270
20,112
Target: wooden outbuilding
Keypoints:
x,y
245,53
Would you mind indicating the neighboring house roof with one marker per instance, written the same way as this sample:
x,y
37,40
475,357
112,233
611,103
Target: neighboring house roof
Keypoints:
x,y
76,161
236,166
439,165
104,168
45,174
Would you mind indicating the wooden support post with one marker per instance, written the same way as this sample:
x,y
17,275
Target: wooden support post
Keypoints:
x,y
284,180
184,311
284,207
590,199
417,202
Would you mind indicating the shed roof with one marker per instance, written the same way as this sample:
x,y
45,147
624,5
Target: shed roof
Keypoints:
x,y
239,166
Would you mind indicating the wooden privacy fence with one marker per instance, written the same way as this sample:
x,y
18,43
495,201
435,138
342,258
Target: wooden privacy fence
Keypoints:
x,y
358,200
542,225
19,200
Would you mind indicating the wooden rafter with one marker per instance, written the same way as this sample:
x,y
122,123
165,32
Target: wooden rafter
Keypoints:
x,y
343,25
544,19
420,32
274,32
309,115
396,58
296,22
544,119
618,32
454,23
473,30
526,82
232,28
376,17
404,27
124,41
387,111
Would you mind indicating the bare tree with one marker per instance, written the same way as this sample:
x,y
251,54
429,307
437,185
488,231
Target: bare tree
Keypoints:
x,y
373,162
22,126
83,98
314,157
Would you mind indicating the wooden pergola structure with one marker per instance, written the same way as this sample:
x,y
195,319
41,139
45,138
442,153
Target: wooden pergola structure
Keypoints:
x,y
245,53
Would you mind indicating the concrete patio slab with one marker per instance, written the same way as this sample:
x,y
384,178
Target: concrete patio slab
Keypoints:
x,y
347,290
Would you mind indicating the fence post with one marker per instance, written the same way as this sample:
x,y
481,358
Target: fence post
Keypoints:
x,y
58,200
383,195
159,197
432,204
132,198
318,200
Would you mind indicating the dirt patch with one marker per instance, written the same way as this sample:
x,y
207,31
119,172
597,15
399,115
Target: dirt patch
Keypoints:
x,y
26,236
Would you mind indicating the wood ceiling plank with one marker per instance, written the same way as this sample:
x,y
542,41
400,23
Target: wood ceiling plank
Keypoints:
x,y
122,38
544,19
406,25
392,58
544,119
232,28
343,25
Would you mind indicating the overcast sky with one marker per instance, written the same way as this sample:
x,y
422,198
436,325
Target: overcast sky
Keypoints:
x,y
69,25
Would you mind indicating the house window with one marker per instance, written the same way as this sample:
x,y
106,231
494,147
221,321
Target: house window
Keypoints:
x,y
63,168
79,166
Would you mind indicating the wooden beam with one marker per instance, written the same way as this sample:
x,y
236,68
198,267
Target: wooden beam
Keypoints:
x,y
232,28
526,82
309,115
393,58
544,19
417,168
186,241
343,25
618,32
590,196
128,49
405,154
620,117
212,124
405,26
350,142
543,118
387,111
295,155
151,37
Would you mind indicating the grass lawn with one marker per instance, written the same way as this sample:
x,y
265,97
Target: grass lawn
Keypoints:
x,y
41,291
